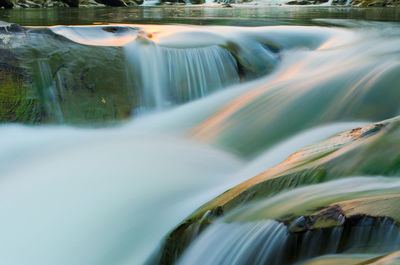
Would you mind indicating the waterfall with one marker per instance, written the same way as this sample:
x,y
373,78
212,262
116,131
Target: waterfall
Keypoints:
x,y
169,76
150,2
232,244
335,82
109,195
270,242
48,89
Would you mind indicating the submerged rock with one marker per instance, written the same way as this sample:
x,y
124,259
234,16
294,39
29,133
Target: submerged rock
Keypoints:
x,y
367,150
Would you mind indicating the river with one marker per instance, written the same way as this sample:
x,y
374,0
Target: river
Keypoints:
x,y
216,96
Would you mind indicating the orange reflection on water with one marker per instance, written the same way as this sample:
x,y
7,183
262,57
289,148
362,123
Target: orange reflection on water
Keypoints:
x,y
210,128
156,32
203,131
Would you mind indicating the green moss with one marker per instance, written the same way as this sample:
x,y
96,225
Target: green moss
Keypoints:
x,y
16,103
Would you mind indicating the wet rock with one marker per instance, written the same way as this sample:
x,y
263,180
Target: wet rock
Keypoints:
x,y
301,2
9,28
389,259
46,78
18,103
354,152
328,217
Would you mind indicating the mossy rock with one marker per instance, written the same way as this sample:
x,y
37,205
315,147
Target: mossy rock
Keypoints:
x,y
50,79
18,103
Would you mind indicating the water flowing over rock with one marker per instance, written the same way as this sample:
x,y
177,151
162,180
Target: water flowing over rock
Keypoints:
x,y
310,88
74,83
169,75
320,162
270,242
239,145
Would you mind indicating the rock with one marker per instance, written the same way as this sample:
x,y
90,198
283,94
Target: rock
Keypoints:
x,y
9,28
367,150
7,4
89,3
71,3
18,103
389,259
42,83
342,259
301,2
115,3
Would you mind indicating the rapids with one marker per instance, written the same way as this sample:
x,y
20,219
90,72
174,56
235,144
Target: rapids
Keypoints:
x,y
208,107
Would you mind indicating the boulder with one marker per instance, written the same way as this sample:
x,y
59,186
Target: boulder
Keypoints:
x,y
47,78
367,150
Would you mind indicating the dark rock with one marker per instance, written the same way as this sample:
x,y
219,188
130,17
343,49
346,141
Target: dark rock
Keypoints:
x,y
71,3
7,4
8,28
115,3
301,2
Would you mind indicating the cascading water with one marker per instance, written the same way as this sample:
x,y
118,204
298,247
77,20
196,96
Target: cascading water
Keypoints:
x,y
171,75
253,243
335,82
109,195
49,89
270,242
240,239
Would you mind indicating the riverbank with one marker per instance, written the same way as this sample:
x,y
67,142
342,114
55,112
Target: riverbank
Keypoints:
x,y
15,4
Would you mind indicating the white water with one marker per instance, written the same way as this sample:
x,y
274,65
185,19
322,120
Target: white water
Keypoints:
x,y
282,150
269,242
250,242
150,2
89,197
169,75
115,191
231,244
89,35
339,81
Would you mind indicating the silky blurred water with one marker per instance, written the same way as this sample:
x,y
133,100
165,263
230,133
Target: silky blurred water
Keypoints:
x,y
109,195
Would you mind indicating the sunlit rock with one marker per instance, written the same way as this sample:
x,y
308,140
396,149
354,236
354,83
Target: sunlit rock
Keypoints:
x,y
367,150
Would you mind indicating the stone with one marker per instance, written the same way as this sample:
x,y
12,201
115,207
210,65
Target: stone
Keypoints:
x,y
320,162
